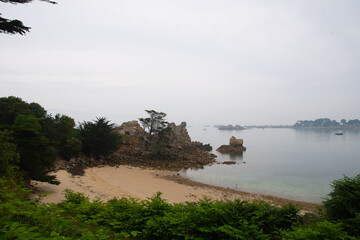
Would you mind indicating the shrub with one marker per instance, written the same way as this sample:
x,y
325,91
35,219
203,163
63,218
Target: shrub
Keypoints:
x,y
320,230
343,202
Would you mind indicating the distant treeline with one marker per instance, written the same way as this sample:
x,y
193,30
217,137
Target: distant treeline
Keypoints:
x,y
327,123
229,127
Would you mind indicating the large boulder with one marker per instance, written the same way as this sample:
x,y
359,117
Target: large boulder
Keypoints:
x,y
235,142
131,128
235,145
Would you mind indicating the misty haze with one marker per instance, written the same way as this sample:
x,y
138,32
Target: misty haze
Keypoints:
x,y
180,119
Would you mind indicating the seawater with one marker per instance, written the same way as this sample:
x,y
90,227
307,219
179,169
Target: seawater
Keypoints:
x,y
297,164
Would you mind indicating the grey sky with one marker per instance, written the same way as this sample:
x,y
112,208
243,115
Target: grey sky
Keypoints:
x,y
200,61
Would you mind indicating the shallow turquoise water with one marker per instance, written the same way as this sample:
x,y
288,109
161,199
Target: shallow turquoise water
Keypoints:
x,y
291,163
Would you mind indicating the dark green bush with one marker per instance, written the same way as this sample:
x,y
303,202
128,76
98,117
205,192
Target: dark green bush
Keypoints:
x,y
343,202
98,138
320,230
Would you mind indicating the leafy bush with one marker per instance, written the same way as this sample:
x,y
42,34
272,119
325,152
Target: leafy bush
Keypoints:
x,y
156,219
23,218
321,230
9,157
343,202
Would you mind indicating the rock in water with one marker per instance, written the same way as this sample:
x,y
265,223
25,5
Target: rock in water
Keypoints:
x,y
234,142
235,145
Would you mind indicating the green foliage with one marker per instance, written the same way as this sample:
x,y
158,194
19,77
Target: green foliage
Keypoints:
x,y
320,230
155,123
58,129
10,108
159,133
162,141
22,218
61,130
36,154
127,218
343,203
98,138
156,219
71,148
37,110
9,157
15,26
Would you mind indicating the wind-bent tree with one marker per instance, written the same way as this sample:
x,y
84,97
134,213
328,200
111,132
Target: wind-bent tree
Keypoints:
x,y
154,124
98,138
158,130
15,26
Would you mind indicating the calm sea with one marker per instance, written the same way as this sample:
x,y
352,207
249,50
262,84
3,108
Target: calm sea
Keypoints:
x,y
297,164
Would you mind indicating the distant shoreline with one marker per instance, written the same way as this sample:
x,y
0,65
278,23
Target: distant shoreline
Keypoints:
x,y
293,127
330,128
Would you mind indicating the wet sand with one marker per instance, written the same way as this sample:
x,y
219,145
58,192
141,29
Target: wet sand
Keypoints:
x,y
126,181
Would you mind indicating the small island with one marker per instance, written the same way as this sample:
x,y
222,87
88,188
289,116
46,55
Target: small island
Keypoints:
x,y
229,127
235,145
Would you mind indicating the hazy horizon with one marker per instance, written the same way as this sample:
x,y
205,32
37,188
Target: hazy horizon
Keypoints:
x,y
202,62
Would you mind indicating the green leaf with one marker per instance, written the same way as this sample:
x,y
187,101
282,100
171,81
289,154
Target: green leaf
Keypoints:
x,y
134,233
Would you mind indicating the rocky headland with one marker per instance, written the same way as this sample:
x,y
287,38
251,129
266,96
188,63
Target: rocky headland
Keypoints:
x,y
181,154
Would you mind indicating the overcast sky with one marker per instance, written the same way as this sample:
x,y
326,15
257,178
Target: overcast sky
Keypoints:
x,y
199,61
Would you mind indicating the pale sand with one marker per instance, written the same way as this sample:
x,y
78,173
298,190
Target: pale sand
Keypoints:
x,y
125,181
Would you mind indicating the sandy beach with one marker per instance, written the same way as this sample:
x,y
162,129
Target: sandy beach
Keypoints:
x,y
126,181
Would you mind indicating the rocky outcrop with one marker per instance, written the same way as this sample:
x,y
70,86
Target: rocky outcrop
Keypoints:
x,y
182,140
131,128
235,145
229,162
205,147
181,135
182,154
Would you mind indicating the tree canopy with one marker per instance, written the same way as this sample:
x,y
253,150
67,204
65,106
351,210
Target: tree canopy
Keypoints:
x,y
98,138
36,153
9,157
37,138
15,26
33,139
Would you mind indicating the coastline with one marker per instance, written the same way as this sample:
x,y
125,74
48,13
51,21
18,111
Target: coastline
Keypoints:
x,y
142,183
